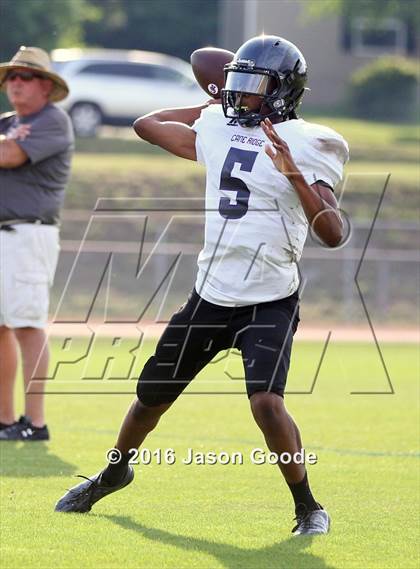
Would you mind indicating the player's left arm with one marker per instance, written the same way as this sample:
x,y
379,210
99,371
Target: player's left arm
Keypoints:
x,y
318,201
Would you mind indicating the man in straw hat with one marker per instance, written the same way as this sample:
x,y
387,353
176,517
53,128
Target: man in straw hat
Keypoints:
x,y
36,145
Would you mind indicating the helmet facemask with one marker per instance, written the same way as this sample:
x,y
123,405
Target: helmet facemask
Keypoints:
x,y
270,86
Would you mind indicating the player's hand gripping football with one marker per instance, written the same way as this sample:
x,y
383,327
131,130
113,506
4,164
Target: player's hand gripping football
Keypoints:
x,y
278,151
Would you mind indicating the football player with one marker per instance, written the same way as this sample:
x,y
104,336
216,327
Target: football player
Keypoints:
x,y
270,175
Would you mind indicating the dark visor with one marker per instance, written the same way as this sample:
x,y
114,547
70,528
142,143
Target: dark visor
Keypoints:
x,y
255,83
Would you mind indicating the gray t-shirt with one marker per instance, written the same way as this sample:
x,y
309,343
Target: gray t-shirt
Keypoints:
x,y
35,190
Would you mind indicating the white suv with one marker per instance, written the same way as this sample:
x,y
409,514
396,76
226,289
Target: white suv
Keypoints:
x,y
116,86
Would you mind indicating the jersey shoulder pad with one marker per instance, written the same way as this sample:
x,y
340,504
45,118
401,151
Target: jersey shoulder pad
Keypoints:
x,y
210,116
326,140
322,153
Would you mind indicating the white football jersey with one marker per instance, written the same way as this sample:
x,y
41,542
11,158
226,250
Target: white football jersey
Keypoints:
x,y
255,225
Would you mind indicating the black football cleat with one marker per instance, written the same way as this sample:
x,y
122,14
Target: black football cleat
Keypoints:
x,y
315,522
82,497
23,430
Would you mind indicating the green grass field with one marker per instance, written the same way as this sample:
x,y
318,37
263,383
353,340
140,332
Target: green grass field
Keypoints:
x,y
227,516
373,147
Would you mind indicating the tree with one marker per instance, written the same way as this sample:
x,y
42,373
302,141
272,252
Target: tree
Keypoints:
x,y
44,23
406,10
169,26
176,27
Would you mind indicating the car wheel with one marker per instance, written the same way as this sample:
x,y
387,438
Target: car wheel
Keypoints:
x,y
86,119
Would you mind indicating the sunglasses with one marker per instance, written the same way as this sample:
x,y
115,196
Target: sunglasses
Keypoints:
x,y
23,75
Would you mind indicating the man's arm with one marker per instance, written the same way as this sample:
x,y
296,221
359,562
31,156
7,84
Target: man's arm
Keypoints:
x,y
11,154
318,201
171,129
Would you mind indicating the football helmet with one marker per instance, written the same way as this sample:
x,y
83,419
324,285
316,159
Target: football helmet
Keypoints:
x,y
273,69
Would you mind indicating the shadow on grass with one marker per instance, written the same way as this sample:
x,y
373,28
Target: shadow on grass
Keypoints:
x,y
285,554
31,459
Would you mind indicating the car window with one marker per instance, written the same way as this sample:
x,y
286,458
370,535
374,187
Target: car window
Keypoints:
x,y
58,66
136,70
167,74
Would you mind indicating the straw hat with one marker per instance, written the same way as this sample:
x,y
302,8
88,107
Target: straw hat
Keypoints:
x,y
38,60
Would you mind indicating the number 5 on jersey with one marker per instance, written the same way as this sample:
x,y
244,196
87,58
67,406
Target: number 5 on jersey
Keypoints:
x,y
246,158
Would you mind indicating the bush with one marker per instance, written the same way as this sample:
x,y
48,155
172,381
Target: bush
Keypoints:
x,y
386,89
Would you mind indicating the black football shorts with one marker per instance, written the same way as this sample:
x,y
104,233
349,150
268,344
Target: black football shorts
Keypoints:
x,y
200,330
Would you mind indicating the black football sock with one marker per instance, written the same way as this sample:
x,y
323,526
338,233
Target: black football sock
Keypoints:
x,y
114,473
302,495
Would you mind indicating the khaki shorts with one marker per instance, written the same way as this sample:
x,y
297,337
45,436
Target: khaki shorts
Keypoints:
x,y
28,259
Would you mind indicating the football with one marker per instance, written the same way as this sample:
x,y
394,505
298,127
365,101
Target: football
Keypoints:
x,y
207,64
